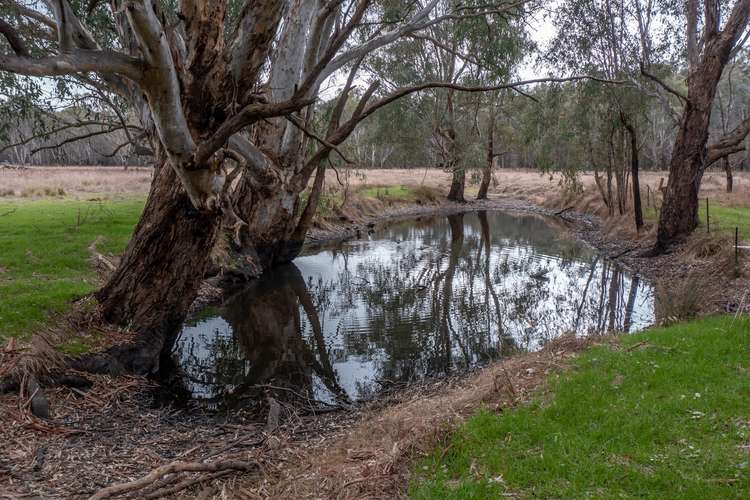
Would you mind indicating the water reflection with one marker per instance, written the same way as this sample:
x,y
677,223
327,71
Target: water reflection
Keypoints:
x,y
420,299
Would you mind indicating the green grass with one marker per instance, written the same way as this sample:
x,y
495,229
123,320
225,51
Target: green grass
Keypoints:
x,y
669,418
389,193
723,219
44,255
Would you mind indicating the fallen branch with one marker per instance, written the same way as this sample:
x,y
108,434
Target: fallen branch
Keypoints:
x,y
559,214
171,468
187,483
623,253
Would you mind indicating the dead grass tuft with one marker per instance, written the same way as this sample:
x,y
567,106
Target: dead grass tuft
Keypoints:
x,y
683,299
427,194
702,245
719,249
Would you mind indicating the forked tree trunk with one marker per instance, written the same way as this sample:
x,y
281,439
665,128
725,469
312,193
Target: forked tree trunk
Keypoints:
x,y
270,214
679,212
160,272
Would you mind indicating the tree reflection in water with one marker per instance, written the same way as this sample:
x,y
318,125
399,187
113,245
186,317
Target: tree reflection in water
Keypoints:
x,y
422,298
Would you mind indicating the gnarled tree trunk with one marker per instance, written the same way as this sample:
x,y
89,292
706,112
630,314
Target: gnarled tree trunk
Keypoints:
x,y
160,272
270,214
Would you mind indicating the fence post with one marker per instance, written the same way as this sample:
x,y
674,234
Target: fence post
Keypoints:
x,y
708,219
736,245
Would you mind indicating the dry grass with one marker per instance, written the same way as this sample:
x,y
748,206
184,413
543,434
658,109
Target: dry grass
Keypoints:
x,y
77,182
525,184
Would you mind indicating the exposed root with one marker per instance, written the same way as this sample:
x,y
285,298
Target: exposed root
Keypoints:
x,y
104,265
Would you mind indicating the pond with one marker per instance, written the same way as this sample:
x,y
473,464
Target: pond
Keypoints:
x,y
418,299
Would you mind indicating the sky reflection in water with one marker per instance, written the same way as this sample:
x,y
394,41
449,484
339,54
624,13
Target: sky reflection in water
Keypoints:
x,y
422,298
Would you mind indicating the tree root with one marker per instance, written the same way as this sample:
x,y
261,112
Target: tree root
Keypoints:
x,y
174,468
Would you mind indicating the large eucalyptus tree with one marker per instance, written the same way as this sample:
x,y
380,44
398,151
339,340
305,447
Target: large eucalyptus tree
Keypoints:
x,y
222,91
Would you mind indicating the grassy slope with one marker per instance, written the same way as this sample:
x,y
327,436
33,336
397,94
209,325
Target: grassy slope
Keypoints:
x,y
44,254
665,416
723,219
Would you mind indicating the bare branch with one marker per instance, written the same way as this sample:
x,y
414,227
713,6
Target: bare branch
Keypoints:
x,y
246,116
76,138
403,91
35,15
663,84
297,122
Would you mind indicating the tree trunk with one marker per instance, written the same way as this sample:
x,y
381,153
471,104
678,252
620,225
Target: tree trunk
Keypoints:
x,y
489,164
634,167
730,177
160,272
458,180
458,183
679,211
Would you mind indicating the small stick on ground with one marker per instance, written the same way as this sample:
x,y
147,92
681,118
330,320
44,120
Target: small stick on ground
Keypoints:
x,y
187,483
171,468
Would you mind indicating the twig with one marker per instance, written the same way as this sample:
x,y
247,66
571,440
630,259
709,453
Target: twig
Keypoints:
x,y
171,468
510,383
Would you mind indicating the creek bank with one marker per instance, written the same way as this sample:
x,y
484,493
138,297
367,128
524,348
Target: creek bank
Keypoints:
x,y
117,413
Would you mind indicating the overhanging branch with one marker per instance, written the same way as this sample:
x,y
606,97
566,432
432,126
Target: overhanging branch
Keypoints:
x,y
729,144
77,61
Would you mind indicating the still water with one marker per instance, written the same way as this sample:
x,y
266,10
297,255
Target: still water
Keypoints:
x,y
421,298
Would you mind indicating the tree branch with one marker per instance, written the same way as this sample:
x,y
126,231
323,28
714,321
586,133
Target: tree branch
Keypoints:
x,y
76,61
294,120
14,39
663,84
728,144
